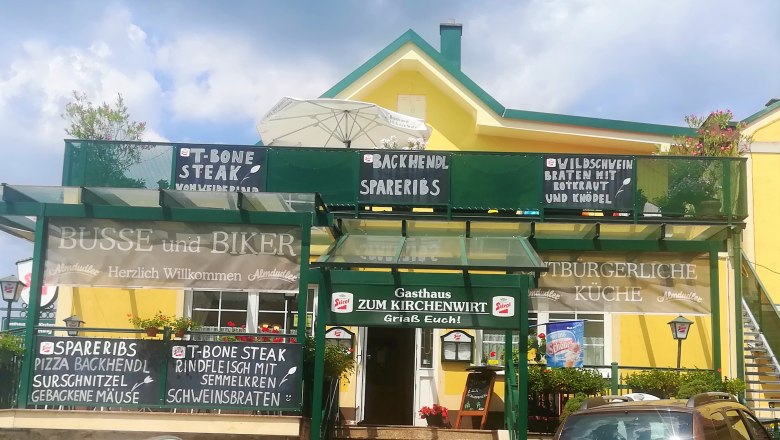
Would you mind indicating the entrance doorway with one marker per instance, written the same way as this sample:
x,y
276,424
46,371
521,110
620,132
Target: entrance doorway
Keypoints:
x,y
389,386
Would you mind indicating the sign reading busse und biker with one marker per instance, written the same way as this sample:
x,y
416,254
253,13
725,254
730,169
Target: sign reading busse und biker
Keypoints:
x,y
100,252
419,305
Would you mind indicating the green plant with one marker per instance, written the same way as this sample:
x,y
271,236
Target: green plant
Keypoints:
x,y
182,323
660,383
157,321
11,344
733,386
542,380
695,382
716,136
339,361
572,405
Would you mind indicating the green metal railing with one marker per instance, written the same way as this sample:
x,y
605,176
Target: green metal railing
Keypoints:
x,y
761,306
506,184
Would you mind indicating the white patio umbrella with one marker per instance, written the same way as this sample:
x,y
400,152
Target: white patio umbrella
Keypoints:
x,y
336,123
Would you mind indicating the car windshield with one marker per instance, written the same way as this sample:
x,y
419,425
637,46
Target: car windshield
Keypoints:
x,y
632,425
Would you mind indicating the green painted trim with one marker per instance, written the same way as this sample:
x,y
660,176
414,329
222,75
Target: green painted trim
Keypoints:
x,y
761,113
605,124
33,309
522,400
323,302
412,37
715,311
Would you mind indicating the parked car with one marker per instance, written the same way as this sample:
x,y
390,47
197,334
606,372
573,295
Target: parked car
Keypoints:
x,y
706,416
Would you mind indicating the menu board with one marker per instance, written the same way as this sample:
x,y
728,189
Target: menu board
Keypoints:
x,y
97,371
220,168
476,396
405,178
236,374
589,182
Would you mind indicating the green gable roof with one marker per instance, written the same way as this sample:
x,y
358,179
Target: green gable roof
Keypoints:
x,y
768,109
523,115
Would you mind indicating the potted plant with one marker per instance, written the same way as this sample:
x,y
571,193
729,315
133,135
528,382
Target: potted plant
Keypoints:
x,y
696,184
436,415
151,325
181,324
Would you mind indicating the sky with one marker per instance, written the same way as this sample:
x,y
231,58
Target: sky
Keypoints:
x,y
207,71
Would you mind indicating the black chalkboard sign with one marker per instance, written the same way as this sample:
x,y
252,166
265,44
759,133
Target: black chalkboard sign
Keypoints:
x,y
263,376
404,178
589,182
220,168
476,396
96,371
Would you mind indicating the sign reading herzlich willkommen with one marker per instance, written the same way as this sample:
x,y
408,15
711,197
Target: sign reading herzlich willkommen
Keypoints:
x,y
99,252
423,306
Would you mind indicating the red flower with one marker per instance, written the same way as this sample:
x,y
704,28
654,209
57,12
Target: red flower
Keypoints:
x,y
540,336
231,324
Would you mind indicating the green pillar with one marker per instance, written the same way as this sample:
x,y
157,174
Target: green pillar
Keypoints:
x,y
522,382
323,300
736,249
33,308
715,307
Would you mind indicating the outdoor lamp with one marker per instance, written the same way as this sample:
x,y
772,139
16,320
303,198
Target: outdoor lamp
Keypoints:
x,y
680,327
12,290
73,322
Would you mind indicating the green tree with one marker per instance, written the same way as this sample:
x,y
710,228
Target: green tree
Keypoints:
x,y
107,163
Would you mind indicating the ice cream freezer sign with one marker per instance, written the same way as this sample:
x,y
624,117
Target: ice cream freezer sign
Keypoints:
x,y
423,306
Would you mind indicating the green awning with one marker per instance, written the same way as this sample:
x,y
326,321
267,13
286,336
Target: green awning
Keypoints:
x,y
511,254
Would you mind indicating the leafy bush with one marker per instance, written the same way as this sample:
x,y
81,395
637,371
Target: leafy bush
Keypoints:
x,y
660,383
695,382
572,405
11,344
542,380
666,384
339,362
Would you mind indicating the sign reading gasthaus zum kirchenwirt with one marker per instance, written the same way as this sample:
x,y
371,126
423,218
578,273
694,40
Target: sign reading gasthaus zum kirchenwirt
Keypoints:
x,y
423,306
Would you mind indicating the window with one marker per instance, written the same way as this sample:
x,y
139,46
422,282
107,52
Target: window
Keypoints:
x,y
595,331
230,310
213,310
754,426
738,427
493,341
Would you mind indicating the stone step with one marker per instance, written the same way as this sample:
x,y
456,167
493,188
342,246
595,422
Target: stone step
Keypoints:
x,y
421,433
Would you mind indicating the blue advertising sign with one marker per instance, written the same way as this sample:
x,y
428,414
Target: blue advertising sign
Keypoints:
x,y
565,344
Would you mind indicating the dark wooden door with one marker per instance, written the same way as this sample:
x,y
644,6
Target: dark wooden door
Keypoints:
x,y
389,392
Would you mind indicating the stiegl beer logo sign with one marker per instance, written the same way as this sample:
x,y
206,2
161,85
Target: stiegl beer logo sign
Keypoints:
x,y
503,306
421,307
342,302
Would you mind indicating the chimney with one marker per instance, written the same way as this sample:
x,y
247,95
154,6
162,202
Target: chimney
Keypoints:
x,y
450,42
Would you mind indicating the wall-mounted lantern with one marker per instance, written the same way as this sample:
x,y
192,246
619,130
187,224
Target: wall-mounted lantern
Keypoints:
x,y
457,346
341,337
12,290
73,323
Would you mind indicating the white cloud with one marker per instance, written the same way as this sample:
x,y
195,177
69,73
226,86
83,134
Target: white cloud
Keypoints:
x,y
217,77
547,56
